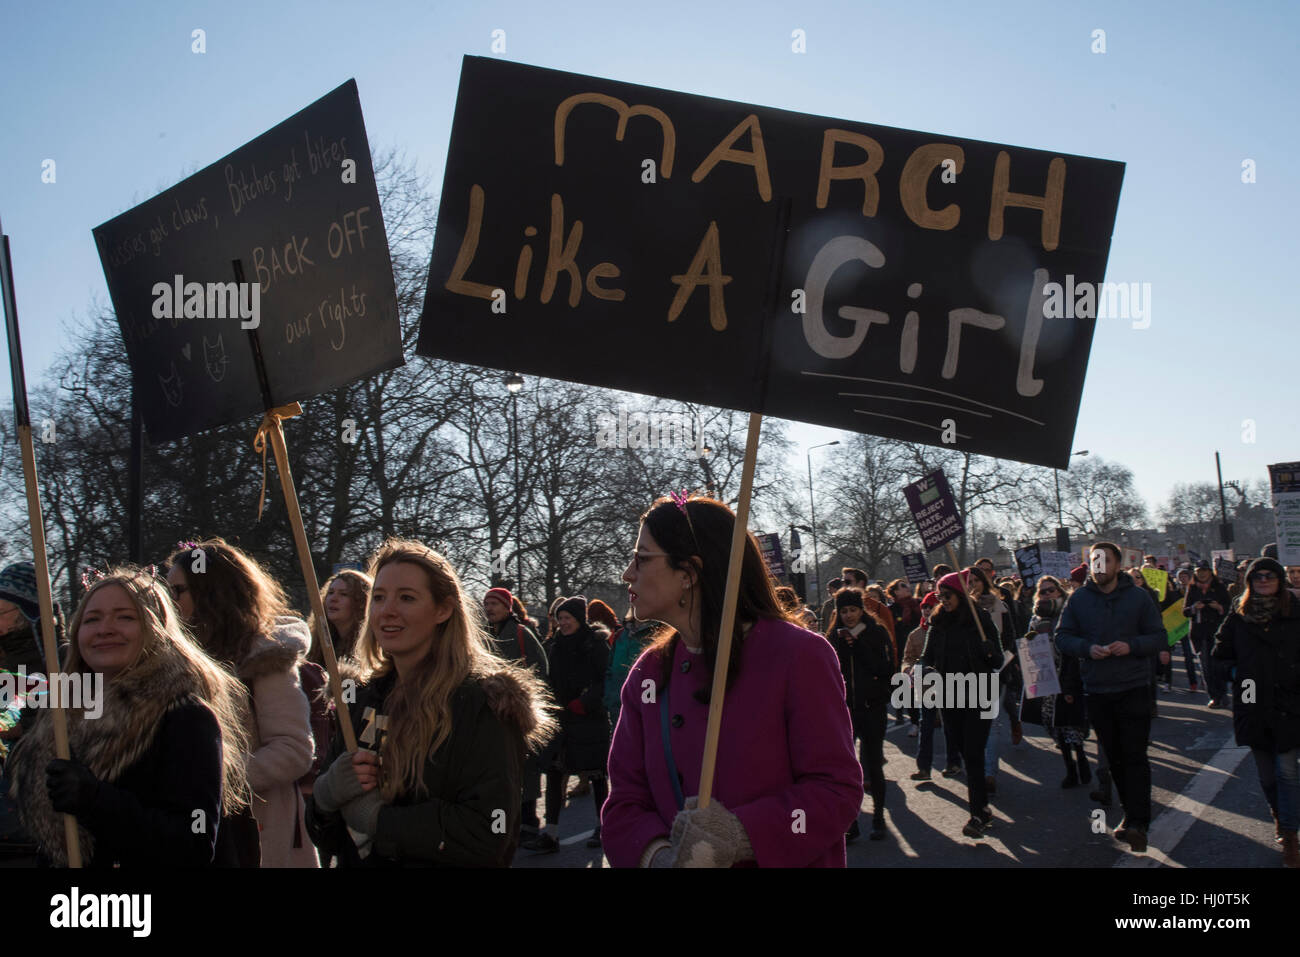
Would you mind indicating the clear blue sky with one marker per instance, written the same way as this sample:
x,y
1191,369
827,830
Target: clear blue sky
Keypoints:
x,y
1183,94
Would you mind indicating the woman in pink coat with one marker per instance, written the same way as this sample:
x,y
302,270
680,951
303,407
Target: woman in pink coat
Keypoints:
x,y
787,784
239,615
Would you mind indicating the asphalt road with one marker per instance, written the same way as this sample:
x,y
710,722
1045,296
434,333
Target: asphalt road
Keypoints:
x,y
1207,806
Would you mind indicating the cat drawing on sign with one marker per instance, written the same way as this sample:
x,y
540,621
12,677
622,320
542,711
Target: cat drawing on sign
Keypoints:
x,y
214,358
171,387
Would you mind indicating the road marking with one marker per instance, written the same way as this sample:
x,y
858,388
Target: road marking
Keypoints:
x,y
577,837
1174,821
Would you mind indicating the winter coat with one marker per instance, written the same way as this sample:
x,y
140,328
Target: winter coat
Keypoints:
x,y
629,642
867,665
1269,655
954,646
907,615
515,640
156,751
281,746
785,750
915,645
1206,625
577,679
472,778
1093,617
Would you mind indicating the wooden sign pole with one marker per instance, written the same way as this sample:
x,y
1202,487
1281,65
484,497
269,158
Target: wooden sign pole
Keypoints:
x,y
271,426
965,588
22,417
723,659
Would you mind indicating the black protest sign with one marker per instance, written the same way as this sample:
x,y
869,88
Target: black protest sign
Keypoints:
x,y
299,209
770,545
914,567
934,510
1029,562
861,277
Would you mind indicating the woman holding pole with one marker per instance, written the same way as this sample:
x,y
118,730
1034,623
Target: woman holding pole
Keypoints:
x,y
154,774
240,616
787,783
443,726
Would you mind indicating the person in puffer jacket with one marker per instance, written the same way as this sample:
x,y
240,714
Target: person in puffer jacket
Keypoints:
x,y
1115,628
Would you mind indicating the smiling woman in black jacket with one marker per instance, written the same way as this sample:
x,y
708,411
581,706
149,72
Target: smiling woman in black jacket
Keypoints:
x,y
156,762
442,727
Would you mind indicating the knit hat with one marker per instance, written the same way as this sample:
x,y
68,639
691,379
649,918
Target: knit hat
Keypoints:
x,y
929,601
846,597
502,595
18,585
1266,565
575,606
1079,574
955,580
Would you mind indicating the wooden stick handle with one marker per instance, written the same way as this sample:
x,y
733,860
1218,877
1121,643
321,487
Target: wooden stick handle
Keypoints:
x,y
974,609
49,645
309,577
729,600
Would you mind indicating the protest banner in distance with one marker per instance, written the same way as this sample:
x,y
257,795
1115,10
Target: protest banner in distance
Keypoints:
x,y
1284,481
862,277
1225,565
769,544
1158,579
914,569
1177,625
298,207
934,510
1038,666
1029,563
1058,564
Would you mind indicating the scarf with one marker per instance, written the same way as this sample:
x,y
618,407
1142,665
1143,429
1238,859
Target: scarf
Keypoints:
x,y
1260,610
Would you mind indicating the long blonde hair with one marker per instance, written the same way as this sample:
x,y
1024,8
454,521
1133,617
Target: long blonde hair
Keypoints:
x,y
164,638
419,707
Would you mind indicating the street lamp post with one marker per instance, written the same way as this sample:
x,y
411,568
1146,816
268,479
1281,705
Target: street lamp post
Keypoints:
x,y
1062,533
515,382
812,505
705,452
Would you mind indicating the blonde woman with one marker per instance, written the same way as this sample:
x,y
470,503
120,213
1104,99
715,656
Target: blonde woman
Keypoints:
x,y
442,724
241,618
345,597
153,776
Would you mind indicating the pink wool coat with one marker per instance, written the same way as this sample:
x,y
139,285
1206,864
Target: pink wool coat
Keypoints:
x,y
281,746
786,765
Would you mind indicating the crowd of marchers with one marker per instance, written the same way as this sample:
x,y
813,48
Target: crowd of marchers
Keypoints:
x,y
218,742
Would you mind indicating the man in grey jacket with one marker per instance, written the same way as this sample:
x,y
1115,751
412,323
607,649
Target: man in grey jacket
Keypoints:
x,y
1116,629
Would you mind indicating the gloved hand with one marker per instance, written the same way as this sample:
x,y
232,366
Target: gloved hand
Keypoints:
x,y
337,785
72,786
713,837
362,814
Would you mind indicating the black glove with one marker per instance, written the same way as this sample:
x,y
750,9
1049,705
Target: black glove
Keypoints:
x,y
72,786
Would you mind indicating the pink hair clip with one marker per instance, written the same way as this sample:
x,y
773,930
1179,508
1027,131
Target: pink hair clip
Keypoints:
x,y
90,576
680,499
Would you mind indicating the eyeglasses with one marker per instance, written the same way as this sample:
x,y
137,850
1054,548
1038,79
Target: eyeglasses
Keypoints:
x,y
638,556
1048,591
1264,577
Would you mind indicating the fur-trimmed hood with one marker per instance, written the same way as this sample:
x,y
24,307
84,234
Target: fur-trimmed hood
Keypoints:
x,y
284,648
134,705
520,699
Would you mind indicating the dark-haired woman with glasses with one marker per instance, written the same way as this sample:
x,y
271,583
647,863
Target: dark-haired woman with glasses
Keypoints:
x,y
787,784
1260,640
1064,716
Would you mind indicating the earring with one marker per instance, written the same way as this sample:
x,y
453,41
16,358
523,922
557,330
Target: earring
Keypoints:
x,y
681,602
